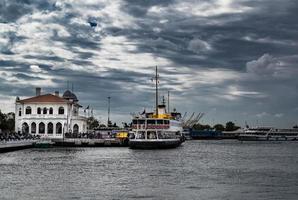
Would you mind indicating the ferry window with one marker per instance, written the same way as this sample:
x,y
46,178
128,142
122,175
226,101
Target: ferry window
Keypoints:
x,y
134,121
159,133
131,136
141,135
150,121
159,121
151,135
38,110
28,110
141,121
166,121
45,110
61,111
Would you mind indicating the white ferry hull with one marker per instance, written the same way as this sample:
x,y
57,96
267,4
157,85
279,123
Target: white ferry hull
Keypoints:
x,y
266,138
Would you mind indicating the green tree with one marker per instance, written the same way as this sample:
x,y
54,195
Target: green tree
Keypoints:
x,y
201,127
92,123
7,121
10,121
219,127
125,125
230,126
115,125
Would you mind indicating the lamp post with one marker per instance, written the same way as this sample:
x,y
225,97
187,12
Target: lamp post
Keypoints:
x,y
109,103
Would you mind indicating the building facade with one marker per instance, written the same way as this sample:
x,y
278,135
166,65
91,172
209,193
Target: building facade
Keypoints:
x,y
49,115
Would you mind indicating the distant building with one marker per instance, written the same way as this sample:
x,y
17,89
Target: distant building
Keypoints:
x,y
49,115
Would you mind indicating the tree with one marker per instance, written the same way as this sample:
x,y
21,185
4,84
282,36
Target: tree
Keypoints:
x,y
10,121
115,125
219,127
92,123
201,127
125,125
230,126
7,121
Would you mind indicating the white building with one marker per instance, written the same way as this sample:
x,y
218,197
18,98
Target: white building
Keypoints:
x,y
49,115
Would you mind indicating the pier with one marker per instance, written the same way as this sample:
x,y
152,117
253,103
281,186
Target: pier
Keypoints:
x,y
15,145
86,142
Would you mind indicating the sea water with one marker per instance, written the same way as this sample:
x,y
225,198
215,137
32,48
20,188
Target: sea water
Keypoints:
x,y
223,169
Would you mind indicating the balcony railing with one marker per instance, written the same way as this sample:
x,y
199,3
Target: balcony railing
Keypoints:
x,y
151,126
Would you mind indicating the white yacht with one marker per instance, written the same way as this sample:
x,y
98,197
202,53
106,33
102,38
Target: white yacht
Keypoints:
x,y
268,134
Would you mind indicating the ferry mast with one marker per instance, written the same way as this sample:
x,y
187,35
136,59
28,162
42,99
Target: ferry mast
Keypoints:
x,y
156,91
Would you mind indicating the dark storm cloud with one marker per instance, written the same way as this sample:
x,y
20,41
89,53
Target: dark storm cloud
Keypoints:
x,y
45,57
140,8
26,77
11,10
230,48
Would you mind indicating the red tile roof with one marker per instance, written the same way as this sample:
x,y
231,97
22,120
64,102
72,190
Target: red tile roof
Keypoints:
x,y
46,98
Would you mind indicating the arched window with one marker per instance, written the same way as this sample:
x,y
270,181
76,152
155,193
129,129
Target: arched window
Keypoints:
x,y
20,112
58,128
61,111
33,128
38,110
41,128
28,110
75,129
51,111
25,128
50,128
45,111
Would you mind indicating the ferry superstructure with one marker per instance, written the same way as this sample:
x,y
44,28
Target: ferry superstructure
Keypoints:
x,y
158,129
268,134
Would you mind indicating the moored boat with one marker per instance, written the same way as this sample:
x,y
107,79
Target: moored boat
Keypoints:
x,y
156,130
43,144
164,131
268,134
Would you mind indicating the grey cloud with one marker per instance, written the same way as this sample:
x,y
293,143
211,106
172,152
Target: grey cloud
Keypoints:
x,y
26,77
265,65
12,10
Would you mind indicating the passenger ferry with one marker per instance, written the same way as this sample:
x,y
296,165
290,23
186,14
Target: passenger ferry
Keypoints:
x,y
268,134
156,130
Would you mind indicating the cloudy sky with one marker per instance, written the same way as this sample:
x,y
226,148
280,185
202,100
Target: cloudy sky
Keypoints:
x,y
231,59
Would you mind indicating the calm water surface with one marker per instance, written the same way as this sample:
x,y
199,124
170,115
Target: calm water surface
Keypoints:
x,y
196,170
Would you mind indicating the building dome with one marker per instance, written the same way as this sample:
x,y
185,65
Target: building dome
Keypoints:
x,y
69,95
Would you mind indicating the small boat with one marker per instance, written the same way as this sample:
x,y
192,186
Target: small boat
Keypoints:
x,y
268,134
156,130
43,144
